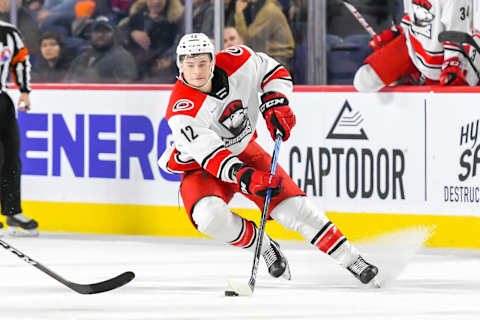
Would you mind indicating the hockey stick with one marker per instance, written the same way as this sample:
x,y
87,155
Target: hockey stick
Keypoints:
x,y
459,38
240,289
93,288
359,18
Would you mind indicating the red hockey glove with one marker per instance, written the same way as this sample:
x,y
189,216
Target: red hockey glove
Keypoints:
x,y
252,181
452,74
385,37
277,114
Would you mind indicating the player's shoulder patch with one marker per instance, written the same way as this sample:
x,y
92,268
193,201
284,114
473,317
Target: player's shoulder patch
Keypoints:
x,y
184,100
232,58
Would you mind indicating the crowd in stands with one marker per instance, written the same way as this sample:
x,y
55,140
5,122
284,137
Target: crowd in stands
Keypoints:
x,y
134,40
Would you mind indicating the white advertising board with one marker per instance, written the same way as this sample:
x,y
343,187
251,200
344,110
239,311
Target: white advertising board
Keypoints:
x,y
358,152
96,147
391,152
454,154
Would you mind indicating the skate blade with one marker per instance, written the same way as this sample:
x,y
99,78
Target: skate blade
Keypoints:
x,y
22,233
287,274
375,282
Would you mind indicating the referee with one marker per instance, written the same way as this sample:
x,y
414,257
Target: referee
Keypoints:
x,y
14,58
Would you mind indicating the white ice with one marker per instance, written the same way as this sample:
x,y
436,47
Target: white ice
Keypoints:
x,y
178,278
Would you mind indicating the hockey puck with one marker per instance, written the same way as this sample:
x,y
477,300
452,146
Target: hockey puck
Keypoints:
x,y
230,293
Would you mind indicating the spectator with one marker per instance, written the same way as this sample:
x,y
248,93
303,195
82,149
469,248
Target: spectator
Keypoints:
x,y
86,11
57,14
53,63
298,15
162,70
265,28
120,8
105,61
25,23
33,7
231,37
152,30
203,13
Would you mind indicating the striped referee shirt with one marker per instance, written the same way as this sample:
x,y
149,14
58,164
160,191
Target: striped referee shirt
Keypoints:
x,y
14,57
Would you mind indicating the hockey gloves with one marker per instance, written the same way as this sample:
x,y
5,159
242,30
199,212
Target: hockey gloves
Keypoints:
x,y
277,114
253,181
452,74
385,37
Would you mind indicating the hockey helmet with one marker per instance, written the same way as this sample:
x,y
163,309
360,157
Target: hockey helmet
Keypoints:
x,y
194,43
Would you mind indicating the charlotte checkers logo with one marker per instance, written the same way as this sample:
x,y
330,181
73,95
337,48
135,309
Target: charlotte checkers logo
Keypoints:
x,y
347,125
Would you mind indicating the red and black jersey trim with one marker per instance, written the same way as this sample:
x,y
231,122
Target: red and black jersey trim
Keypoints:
x,y
279,72
211,155
175,164
233,58
430,59
216,161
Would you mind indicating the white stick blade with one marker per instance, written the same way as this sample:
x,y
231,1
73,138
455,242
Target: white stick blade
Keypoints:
x,y
241,289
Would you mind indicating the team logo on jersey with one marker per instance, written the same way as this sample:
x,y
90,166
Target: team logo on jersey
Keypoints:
x,y
182,105
422,18
5,55
234,119
234,50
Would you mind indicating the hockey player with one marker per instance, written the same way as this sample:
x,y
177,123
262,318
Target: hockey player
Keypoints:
x,y
213,111
14,57
411,53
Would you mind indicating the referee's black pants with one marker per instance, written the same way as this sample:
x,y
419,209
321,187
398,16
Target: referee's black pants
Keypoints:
x,y
10,165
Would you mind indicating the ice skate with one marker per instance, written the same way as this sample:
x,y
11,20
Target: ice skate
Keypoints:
x,y
276,262
22,226
1,229
364,271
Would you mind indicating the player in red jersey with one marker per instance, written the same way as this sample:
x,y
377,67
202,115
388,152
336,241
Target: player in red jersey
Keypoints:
x,y
411,52
213,112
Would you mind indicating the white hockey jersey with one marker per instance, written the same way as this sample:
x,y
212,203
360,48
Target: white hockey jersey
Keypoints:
x,y
209,130
423,22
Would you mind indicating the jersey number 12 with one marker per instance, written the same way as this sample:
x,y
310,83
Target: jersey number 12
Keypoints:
x,y
189,134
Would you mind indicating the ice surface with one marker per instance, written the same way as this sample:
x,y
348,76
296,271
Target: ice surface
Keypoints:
x,y
179,278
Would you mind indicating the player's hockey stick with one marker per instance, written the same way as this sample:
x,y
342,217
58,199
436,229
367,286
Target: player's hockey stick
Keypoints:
x,y
240,289
359,18
93,288
459,38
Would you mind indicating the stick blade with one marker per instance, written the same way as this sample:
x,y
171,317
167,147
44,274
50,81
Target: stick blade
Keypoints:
x,y
240,289
453,36
103,286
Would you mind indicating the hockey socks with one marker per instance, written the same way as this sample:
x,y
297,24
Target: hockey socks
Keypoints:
x,y
331,241
276,261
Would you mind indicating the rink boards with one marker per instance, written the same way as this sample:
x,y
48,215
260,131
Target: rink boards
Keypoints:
x,y
375,162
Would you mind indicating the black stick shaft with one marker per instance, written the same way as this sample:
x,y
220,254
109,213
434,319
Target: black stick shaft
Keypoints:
x,y
103,286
